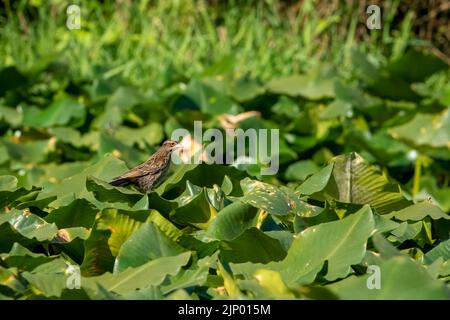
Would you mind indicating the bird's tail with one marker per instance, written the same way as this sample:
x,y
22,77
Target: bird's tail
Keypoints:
x,y
120,182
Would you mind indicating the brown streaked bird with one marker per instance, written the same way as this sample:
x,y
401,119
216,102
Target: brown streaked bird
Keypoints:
x,y
147,175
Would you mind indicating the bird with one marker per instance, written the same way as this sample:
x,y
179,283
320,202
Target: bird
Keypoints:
x,y
148,174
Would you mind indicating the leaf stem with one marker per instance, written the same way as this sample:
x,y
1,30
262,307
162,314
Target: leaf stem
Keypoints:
x,y
417,174
261,217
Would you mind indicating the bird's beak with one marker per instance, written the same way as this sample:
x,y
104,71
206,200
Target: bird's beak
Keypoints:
x,y
178,146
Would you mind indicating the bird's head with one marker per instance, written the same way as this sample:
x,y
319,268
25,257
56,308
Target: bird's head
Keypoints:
x,y
171,145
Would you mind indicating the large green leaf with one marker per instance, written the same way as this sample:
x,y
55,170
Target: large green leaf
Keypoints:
x,y
122,100
9,279
425,130
29,152
406,231
199,175
50,278
317,182
74,186
207,99
341,243
7,183
79,213
442,250
419,211
8,197
111,230
105,192
151,273
353,180
317,84
300,170
196,275
23,259
148,293
195,210
109,144
246,89
252,245
62,111
233,220
146,244
29,225
273,200
401,278
151,134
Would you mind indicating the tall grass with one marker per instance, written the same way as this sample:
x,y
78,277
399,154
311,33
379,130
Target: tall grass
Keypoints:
x,y
150,42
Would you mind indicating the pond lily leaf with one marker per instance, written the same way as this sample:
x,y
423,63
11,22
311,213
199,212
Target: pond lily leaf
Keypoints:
x,y
341,243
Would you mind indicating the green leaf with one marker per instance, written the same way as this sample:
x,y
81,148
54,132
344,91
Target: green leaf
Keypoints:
x,y
273,284
110,144
105,192
418,212
317,84
207,99
197,211
146,244
425,130
252,246
271,199
66,235
341,243
151,134
41,203
283,236
29,225
229,282
194,276
385,248
48,279
79,213
358,182
442,250
51,285
9,279
124,98
317,182
171,231
384,224
152,273
353,180
200,175
62,111
67,135
338,109
401,279
23,259
406,231
112,229
300,170
148,293
286,106
7,183
246,89
232,220
8,197
74,187
29,152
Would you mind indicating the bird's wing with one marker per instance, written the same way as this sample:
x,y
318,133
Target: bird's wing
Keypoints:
x,y
138,172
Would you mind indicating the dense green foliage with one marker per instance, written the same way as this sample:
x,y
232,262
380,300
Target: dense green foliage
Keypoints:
x,y
364,175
